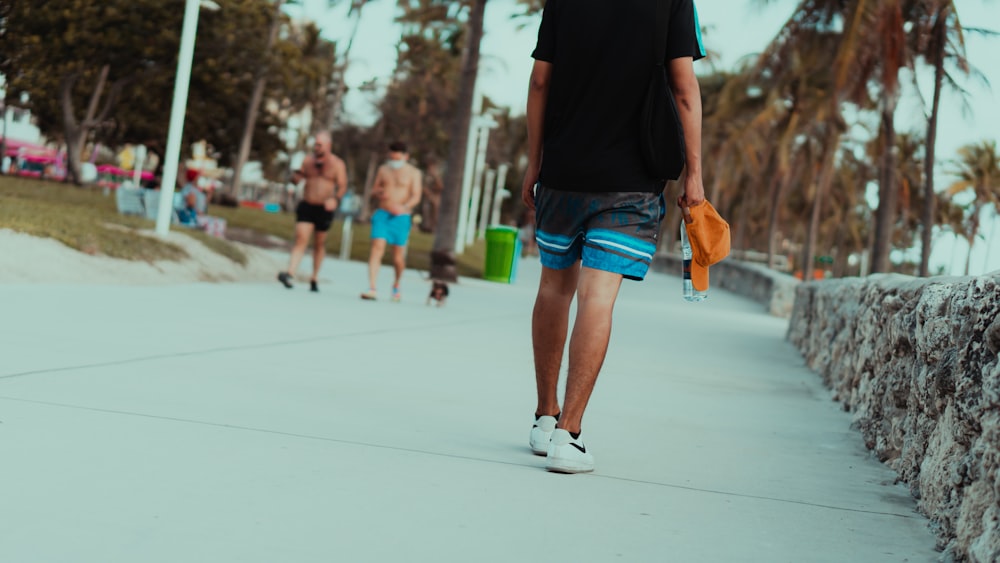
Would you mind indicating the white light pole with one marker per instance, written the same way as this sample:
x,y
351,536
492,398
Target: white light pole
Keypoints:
x,y
486,124
177,111
140,162
486,204
469,173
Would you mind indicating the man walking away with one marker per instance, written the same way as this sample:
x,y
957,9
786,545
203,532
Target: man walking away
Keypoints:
x,y
397,189
598,210
326,183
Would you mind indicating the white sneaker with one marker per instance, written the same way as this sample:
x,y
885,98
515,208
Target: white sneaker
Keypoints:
x,y
568,455
541,433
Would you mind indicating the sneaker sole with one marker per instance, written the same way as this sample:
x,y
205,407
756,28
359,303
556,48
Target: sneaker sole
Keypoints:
x,y
564,466
539,441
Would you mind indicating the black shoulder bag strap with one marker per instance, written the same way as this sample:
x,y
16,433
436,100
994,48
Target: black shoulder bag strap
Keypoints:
x,y
662,136
660,37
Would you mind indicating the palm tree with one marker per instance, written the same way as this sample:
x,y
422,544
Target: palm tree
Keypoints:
x,y
978,174
253,108
909,177
939,38
339,86
871,51
802,55
446,235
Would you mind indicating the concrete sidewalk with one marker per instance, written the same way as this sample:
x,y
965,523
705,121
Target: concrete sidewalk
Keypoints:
x,y
244,423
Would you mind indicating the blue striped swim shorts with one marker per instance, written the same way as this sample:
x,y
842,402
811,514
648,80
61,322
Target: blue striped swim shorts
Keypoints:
x,y
611,231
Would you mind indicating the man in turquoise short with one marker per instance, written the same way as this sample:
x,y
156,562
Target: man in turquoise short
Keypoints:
x,y
397,189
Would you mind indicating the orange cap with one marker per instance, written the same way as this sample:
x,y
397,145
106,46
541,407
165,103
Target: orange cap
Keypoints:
x,y
709,236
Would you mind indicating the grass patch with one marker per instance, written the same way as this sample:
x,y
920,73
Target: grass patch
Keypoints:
x,y
79,218
217,245
85,219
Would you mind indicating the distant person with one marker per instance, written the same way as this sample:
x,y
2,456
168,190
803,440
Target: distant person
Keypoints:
x,y
397,190
431,202
190,201
325,184
598,208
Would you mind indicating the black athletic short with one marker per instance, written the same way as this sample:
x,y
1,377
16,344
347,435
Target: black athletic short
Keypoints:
x,y
315,214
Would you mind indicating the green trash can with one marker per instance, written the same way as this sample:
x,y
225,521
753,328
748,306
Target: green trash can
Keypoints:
x,y
503,248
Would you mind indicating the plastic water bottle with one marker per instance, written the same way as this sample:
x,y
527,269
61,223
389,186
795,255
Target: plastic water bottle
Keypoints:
x,y
689,292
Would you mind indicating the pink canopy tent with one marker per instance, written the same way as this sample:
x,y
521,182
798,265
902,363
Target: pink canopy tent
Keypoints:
x,y
17,148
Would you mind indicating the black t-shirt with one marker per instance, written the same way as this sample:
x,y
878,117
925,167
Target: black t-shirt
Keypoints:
x,y
601,55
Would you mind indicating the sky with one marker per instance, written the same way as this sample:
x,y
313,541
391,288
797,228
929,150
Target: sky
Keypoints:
x,y
735,29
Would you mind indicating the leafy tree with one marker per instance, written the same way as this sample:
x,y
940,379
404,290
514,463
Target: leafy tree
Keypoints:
x,y
939,38
118,59
446,235
71,53
978,174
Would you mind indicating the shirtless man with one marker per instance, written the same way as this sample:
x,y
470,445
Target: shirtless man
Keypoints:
x,y
397,189
326,183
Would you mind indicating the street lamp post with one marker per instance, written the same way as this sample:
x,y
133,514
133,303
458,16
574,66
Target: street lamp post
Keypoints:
x,y
177,111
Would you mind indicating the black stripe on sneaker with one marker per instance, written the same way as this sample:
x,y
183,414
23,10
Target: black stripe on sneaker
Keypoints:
x,y
581,447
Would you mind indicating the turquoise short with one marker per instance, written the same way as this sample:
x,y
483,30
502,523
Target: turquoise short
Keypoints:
x,y
394,229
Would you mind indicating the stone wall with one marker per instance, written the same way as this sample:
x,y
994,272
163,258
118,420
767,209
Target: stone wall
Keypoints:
x,y
774,290
916,361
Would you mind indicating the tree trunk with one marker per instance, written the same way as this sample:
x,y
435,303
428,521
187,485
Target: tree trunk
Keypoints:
x,y
989,242
253,109
772,221
973,231
930,201
366,190
3,134
778,189
968,257
740,233
341,85
822,187
885,216
443,253
76,132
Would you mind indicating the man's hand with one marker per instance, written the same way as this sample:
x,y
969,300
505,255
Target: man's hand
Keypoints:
x,y
331,204
528,188
694,191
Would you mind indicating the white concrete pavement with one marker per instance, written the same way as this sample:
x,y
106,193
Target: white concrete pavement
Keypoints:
x,y
244,423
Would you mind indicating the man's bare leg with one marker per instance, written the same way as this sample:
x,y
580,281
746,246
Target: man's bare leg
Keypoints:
x,y
319,253
549,322
375,261
398,263
596,295
302,233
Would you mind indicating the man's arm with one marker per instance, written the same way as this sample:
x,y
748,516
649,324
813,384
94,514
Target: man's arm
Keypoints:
x,y
538,94
687,93
378,186
341,180
299,175
416,191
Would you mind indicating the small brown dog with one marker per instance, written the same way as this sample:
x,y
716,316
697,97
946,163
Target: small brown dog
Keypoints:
x,y
439,293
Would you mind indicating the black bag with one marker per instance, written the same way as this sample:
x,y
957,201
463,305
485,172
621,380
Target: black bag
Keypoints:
x,y
661,134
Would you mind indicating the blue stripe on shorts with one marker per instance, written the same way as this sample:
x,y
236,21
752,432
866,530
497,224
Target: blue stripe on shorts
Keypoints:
x,y
613,231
